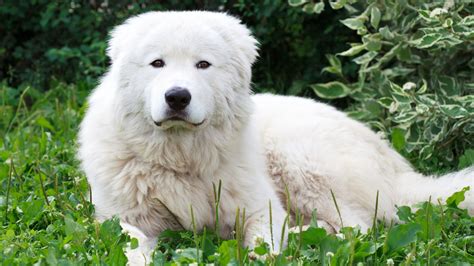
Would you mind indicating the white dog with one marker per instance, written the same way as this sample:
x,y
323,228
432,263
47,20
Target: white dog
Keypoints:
x,y
174,116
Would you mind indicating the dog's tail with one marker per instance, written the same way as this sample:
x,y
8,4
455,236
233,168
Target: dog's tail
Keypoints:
x,y
414,188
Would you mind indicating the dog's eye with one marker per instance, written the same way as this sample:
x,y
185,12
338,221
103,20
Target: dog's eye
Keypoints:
x,y
203,64
158,63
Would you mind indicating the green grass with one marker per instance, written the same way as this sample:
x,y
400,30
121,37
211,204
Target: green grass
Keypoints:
x,y
46,217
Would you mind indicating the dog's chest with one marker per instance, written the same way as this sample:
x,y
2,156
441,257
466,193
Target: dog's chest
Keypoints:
x,y
194,199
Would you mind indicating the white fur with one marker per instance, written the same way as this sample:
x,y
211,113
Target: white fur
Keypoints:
x,y
313,148
256,145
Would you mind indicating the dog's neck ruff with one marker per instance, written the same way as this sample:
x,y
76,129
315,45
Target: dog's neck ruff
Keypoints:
x,y
190,152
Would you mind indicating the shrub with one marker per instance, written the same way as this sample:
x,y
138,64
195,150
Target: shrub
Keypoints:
x,y
415,81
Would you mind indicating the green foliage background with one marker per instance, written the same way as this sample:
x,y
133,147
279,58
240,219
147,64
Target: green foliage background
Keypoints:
x,y
404,67
66,40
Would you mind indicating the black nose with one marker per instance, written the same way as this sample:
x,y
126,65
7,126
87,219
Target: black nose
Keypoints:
x,y
177,98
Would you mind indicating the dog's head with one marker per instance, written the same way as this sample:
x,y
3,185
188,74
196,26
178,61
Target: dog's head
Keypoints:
x,y
182,69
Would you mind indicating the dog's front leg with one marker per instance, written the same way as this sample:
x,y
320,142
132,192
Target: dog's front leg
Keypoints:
x,y
146,227
259,227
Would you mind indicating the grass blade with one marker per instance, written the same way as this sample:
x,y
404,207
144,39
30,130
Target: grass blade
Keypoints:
x,y
337,208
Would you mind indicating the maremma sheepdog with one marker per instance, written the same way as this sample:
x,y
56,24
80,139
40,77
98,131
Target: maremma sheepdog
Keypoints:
x,y
175,116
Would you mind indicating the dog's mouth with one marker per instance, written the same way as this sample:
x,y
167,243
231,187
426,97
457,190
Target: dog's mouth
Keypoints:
x,y
177,121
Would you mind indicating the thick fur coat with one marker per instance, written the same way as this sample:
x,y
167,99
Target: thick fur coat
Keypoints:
x,y
150,162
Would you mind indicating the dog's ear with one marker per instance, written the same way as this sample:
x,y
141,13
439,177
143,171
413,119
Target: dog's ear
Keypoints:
x,y
239,35
116,39
248,44
124,35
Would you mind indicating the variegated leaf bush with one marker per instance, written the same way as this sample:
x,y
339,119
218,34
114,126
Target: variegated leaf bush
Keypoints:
x,y
415,82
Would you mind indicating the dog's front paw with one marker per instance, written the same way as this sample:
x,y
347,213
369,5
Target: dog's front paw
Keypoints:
x,y
322,224
140,255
